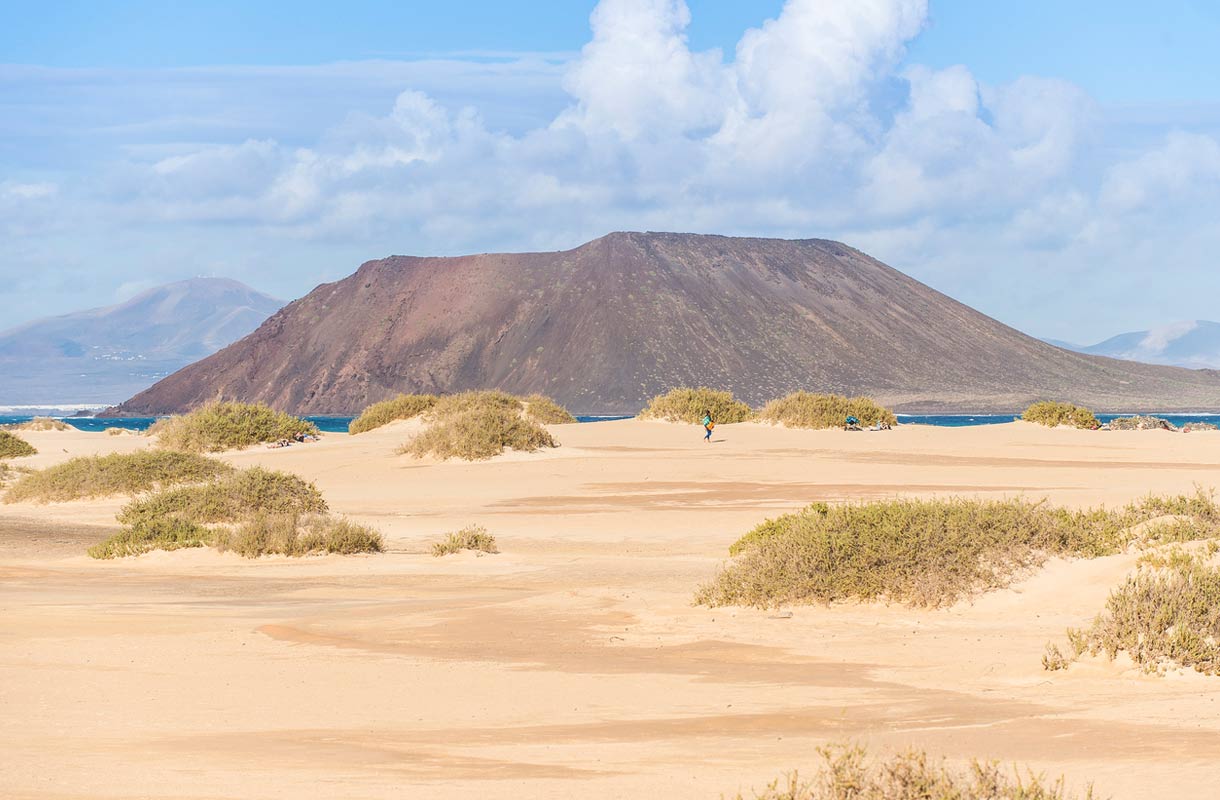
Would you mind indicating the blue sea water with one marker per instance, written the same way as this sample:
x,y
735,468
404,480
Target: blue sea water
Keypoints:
x,y
339,424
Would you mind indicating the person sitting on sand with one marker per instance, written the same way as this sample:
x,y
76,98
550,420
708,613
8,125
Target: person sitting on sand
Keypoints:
x,y
708,424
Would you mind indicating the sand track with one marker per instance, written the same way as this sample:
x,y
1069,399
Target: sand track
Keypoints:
x,y
572,664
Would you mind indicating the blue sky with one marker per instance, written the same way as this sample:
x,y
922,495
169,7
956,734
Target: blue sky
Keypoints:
x,y
1054,165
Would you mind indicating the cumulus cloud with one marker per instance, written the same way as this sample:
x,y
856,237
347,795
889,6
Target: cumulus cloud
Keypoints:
x,y
815,124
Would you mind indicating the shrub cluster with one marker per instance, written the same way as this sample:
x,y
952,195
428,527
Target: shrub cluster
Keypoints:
x,y
1138,423
846,773
231,498
472,537
405,406
688,405
478,425
1052,415
298,535
545,411
808,410
1166,614
13,446
42,424
162,533
228,426
117,473
934,552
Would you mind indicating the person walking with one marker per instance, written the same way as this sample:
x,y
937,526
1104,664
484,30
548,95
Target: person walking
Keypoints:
x,y
708,424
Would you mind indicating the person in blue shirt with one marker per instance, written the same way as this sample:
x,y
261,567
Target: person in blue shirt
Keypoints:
x,y
708,424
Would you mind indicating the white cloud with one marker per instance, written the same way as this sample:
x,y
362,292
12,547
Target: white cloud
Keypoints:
x,y
814,125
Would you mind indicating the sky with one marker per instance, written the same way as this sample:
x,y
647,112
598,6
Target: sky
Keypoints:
x,y
1055,165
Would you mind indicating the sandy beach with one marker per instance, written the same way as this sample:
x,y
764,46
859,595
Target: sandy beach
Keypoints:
x,y
573,663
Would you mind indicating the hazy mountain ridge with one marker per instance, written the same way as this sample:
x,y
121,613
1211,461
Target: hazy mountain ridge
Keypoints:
x,y
1194,344
103,354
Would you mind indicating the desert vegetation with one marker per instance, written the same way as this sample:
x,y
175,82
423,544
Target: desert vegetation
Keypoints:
x,y
472,537
1052,415
42,424
298,535
935,552
118,473
545,411
688,405
231,498
478,425
405,406
1166,614
228,426
13,446
847,773
808,410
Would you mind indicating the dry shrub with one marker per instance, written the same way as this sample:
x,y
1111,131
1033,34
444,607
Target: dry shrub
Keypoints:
x,y
163,533
228,426
42,424
546,411
472,537
118,473
116,431
1196,427
476,426
934,552
846,773
13,446
1166,614
688,405
405,406
808,410
231,498
1141,423
1052,415
298,535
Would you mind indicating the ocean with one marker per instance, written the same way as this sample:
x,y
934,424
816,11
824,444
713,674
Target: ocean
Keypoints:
x,y
339,424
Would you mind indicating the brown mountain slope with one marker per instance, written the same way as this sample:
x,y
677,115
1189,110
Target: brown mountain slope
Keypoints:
x,y
610,323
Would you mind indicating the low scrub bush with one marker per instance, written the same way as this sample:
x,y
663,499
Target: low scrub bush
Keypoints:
x,y
808,410
1138,423
546,411
228,426
405,406
688,405
232,498
298,535
164,533
1195,427
1166,614
476,426
43,424
1052,415
118,473
13,446
847,773
472,537
934,552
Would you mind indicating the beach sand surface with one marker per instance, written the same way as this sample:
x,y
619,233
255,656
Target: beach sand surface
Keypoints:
x,y
573,664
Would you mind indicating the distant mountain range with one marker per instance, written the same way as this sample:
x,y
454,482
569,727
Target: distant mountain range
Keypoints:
x,y
1193,344
604,326
102,355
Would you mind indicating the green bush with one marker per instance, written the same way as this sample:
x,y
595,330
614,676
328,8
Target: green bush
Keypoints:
x,y
228,426
1052,415
13,446
807,410
163,533
472,537
1166,614
846,773
453,405
688,405
933,552
296,535
405,406
477,435
118,473
546,411
231,498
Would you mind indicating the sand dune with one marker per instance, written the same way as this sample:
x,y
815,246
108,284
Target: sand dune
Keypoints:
x,y
573,664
